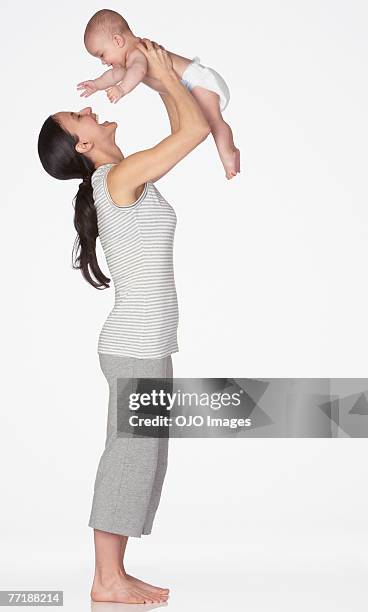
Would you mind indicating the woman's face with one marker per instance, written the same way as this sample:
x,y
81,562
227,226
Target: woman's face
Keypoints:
x,y
84,125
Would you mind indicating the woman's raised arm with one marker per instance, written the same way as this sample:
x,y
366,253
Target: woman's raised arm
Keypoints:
x,y
171,111
189,123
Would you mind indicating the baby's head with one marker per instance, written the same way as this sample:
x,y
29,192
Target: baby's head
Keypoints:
x,y
106,37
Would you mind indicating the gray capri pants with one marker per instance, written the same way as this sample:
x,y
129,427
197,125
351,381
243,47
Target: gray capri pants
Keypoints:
x,y
131,470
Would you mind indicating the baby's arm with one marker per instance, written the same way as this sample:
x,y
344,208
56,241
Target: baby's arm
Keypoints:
x,y
107,79
110,77
136,70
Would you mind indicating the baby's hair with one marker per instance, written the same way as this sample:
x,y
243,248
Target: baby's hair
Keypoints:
x,y
110,22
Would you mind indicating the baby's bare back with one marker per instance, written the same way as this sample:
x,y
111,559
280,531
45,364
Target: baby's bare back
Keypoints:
x,y
179,65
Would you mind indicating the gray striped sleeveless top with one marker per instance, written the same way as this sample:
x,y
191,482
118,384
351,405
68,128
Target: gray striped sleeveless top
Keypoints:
x,y
138,241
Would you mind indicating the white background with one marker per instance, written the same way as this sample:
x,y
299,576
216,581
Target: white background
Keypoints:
x,y
271,274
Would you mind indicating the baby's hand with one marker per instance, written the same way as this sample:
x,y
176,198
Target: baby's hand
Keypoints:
x,y
114,93
89,88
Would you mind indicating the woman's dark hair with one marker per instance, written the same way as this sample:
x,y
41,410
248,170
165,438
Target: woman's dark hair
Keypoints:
x,y
56,149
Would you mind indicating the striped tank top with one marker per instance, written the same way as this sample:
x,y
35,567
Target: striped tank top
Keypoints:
x,y
138,241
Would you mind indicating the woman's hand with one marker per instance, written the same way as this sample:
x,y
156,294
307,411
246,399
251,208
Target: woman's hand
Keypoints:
x,y
159,61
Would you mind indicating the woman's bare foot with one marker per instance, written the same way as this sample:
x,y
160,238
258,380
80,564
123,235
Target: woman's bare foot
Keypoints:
x,y
146,585
121,589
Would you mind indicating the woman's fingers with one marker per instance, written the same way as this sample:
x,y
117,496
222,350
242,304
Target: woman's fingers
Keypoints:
x,y
156,55
142,48
157,46
148,44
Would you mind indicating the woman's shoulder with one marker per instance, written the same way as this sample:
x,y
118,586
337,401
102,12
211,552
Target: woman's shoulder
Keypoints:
x,y
108,187
100,173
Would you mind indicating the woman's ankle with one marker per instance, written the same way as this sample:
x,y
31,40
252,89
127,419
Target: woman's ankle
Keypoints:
x,y
109,576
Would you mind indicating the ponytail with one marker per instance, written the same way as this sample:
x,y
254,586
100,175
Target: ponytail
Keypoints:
x,y
85,222
56,149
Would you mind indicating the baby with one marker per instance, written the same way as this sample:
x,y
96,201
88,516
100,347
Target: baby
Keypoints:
x,y
108,36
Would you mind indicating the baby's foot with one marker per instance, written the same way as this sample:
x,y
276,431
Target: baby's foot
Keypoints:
x,y
120,589
146,585
231,163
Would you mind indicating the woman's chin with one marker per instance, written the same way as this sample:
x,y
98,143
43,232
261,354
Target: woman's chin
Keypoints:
x,y
109,124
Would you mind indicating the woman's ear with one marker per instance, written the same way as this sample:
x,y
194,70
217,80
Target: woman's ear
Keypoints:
x,y
83,147
119,40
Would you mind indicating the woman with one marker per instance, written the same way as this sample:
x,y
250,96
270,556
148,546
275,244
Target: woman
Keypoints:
x,y
118,202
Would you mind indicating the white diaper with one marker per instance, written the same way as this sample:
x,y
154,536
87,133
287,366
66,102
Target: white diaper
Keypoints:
x,y
196,74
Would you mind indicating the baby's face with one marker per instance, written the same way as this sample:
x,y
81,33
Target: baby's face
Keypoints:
x,y
107,49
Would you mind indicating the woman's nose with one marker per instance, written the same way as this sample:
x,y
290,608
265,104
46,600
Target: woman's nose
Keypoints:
x,y
86,111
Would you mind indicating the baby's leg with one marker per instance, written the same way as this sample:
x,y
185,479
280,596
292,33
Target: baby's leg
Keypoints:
x,y
209,102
